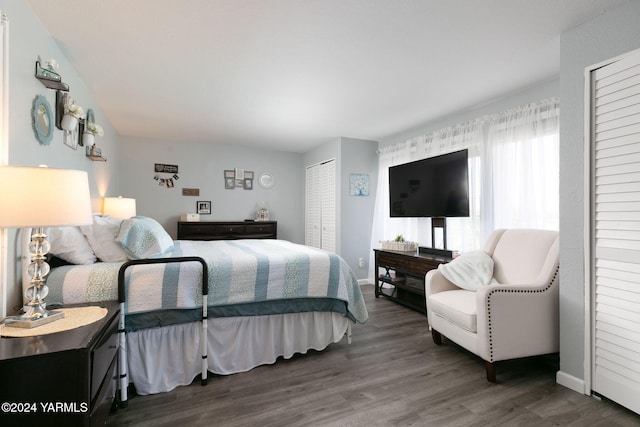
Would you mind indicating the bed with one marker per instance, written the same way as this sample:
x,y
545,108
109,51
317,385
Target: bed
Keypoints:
x,y
263,299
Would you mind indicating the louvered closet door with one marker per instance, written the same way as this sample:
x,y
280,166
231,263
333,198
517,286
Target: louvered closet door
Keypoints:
x,y
320,205
313,223
328,209
615,230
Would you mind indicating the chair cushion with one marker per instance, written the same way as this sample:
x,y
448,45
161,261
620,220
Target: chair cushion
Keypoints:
x,y
459,307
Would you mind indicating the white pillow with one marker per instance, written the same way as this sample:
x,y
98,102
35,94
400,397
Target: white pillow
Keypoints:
x,y
143,237
471,270
101,236
69,244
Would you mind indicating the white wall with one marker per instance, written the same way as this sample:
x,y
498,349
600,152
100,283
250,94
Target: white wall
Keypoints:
x,y
359,156
607,36
202,166
27,40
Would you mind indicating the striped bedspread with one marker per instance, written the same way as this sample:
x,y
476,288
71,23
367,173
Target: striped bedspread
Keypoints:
x,y
246,277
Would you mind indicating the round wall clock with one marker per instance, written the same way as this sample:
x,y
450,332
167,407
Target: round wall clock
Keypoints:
x,y
266,180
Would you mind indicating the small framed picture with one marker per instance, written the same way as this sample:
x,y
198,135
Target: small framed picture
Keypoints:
x,y
70,138
203,208
248,184
359,184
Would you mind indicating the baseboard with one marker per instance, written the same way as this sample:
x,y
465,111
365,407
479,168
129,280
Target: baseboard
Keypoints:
x,y
365,282
571,382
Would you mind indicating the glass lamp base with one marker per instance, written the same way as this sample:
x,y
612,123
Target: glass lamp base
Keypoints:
x,y
28,321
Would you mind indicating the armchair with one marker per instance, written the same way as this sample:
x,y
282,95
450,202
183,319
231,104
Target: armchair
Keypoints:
x,y
516,315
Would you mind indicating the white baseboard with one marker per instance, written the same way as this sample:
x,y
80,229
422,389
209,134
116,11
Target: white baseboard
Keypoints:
x,y
364,282
571,382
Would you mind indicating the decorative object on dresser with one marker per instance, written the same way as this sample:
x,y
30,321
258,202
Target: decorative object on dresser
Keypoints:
x,y
66,378
39,197
227,230
262,214
502,302
401,276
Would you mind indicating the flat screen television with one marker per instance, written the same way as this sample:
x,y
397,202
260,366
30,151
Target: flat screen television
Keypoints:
x,y
435,187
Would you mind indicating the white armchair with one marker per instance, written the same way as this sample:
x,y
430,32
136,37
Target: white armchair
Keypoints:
x,y
514,316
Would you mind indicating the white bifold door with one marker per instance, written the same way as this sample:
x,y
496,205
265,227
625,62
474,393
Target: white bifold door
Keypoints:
x,y
320,205
613,228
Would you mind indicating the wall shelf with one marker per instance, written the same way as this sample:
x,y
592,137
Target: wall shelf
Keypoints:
x,y
95,154
50,79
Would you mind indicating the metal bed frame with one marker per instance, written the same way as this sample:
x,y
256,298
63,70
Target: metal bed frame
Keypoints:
x,y
122,352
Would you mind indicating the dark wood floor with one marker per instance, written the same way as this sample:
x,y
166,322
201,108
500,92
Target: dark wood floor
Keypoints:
x,y
392,374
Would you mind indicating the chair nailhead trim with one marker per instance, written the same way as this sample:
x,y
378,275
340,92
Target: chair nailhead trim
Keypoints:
x,y
522,291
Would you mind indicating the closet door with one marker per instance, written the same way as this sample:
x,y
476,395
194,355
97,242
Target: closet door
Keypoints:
x,y
614,223
312,208
320,206
328,208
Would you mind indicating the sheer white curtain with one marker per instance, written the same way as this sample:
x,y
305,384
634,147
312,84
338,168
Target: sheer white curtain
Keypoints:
x,y
462,232
523,148
513,176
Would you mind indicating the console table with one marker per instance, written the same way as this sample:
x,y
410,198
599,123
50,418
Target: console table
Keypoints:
x,y
405,272
65,378
227,230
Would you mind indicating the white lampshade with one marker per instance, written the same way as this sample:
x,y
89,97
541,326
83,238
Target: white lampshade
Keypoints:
x,y
43,197
119,207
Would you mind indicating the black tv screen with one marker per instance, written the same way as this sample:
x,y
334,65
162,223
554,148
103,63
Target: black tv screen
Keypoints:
x,y
433,187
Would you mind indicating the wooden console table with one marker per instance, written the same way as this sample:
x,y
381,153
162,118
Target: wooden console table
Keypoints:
x,y
405,272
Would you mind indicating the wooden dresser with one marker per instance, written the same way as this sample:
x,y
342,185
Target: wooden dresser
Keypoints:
x,y
227,230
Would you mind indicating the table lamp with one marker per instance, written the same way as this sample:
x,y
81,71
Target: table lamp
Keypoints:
x,y
119,207
39,197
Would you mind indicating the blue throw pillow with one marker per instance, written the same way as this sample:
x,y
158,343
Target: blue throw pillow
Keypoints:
x,y
143,237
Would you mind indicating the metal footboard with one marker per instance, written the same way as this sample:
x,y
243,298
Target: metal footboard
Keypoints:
x,y
122,352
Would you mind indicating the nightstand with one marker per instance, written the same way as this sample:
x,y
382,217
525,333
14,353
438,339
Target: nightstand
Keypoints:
x,y
65,378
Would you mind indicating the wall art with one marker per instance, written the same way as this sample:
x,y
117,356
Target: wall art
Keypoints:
x,y
238,178
359,184
166,175
203,207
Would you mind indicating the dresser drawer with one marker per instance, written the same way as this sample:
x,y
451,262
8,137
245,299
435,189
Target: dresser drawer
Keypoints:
x,y
196,229
103,356
230,229
260,229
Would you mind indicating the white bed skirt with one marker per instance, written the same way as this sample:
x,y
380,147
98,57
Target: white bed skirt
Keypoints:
x,y
162,359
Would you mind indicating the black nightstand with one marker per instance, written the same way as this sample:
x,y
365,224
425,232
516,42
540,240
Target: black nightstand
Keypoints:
x,y
65,378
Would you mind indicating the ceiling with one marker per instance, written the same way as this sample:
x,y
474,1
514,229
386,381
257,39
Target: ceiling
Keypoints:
x,y
289,74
